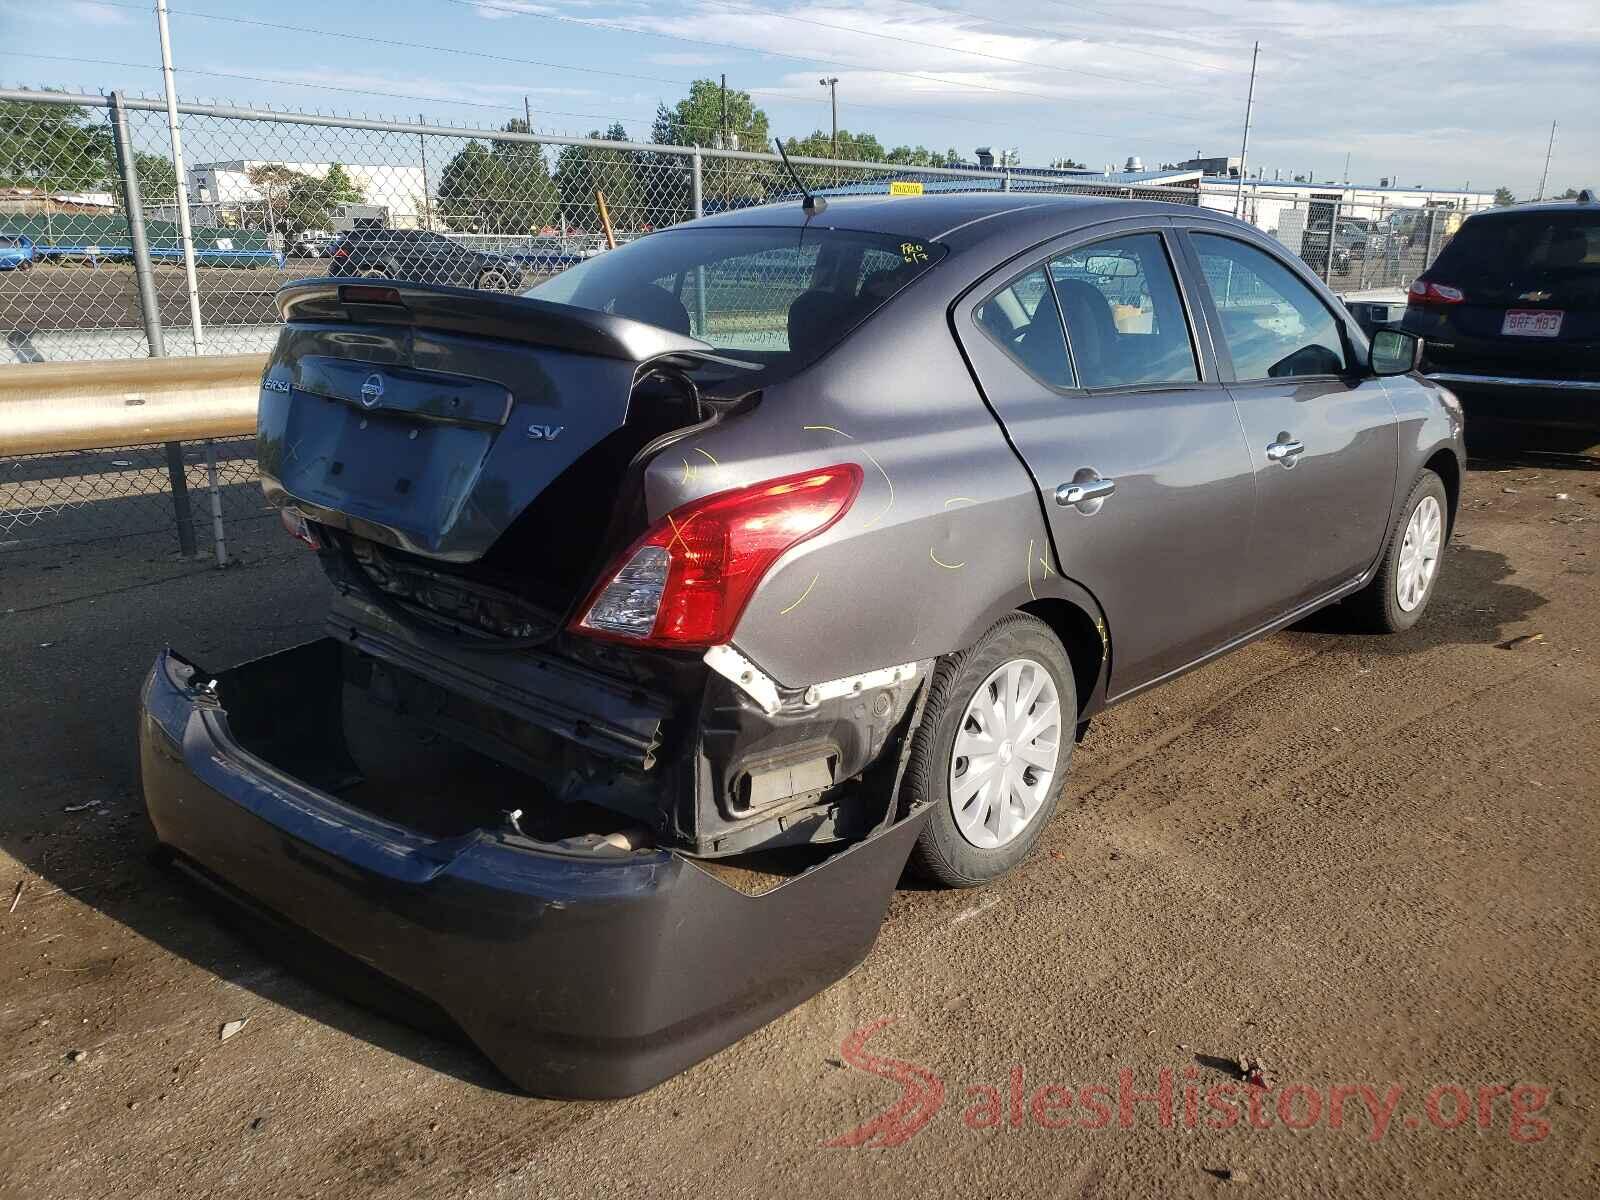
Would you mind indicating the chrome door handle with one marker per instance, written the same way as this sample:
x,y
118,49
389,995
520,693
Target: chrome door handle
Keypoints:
x,y
1089,489
1285,452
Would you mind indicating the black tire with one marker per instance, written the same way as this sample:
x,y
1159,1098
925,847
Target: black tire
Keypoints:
x,y
375,273
1376,607
495,280
943,854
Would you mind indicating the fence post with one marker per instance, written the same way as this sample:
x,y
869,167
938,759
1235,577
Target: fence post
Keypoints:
x,y
1005,181
1333,231
149,308
697,192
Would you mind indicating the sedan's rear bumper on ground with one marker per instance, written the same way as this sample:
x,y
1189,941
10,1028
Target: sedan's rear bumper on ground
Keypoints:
x,y
578,975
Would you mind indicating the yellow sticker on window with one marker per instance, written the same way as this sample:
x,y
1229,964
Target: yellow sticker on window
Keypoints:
x,y
901,187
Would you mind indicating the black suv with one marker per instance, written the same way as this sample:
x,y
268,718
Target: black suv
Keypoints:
x,y
420,256
1510,315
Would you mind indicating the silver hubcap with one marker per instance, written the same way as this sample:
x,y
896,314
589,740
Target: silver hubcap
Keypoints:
x,y
1419,554
1005,754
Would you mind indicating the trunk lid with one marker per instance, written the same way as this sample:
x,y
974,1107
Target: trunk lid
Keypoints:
x,y
432,419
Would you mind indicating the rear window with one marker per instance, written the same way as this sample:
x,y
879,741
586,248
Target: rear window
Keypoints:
x,y
1514,253
779,297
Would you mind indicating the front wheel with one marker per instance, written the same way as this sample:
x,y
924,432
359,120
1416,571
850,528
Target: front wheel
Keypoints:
x,y
992,751
1399,593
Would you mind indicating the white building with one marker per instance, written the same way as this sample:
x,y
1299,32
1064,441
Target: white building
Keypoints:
x,y
401,190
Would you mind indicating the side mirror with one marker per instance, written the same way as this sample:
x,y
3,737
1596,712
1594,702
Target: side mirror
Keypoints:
x,y
1395,352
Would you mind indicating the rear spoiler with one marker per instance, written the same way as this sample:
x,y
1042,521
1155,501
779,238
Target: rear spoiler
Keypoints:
x,y
494,315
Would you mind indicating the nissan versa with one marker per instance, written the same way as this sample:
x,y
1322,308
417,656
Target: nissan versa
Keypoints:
x,y
774,548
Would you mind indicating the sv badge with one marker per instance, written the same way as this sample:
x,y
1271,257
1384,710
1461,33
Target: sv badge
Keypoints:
x,y
545,433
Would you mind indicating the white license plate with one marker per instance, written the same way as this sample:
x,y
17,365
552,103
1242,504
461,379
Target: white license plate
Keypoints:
x,y
1532,322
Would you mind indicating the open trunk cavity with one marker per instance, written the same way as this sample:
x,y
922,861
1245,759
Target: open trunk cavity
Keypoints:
x,y
394,746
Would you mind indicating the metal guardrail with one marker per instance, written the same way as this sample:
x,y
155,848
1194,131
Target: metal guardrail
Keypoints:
x,y
97,449
54,407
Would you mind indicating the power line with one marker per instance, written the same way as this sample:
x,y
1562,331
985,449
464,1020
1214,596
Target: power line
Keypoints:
x,y
1020,62
511,59
328,87
1058,35
681,83
811,61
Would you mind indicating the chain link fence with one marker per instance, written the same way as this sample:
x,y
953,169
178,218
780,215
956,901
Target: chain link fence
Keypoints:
x,y
151,490
94,263
1362,240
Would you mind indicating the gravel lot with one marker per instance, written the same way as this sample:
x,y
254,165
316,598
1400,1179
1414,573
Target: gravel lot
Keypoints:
x,y
1364,861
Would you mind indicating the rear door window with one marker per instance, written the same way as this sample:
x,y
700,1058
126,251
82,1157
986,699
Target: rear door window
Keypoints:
x,y
1274,325
1023,320
1125,320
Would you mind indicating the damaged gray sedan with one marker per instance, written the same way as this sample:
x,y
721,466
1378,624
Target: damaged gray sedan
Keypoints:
x,y
789,544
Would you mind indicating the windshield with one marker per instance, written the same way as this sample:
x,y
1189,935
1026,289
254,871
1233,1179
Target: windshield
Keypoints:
x,y
780,297
1554,251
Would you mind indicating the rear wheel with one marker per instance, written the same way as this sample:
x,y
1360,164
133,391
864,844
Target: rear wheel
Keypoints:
x,y
495,281
1399,593
375,273
992,751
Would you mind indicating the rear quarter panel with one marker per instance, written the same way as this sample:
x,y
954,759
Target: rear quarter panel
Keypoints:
x,y
947,532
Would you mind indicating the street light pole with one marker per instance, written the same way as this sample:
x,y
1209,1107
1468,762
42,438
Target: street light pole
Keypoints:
x,y
831,82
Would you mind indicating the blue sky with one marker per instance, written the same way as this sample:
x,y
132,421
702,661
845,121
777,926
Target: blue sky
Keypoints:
x,y
1436,93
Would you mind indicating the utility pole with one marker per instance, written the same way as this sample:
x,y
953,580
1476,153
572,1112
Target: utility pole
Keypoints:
x,y
724,111
422,145
1545,176
1347,168
527,116
1244,148
831,82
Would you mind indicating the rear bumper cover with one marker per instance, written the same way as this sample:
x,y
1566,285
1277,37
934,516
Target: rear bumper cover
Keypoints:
x,y
579,976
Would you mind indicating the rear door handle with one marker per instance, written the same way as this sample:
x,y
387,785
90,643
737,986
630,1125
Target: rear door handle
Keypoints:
x,y
1085,491
1286,451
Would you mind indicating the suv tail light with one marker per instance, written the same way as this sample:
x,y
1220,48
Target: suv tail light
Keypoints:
x,y
684,584
1424,293
341,252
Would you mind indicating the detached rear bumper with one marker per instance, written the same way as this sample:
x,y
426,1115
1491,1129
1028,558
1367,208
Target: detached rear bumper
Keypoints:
x,y
578,975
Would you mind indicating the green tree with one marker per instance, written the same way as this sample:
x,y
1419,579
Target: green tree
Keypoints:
x,y
699,119
1569,194
53,148
581,171
501,189
157,180
293,202
1503,197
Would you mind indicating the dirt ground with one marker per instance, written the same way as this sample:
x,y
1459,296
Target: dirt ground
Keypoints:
x,y
1368,862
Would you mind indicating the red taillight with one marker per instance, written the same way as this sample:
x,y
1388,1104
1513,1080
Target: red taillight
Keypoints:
x,y
359,293
1424,293
341,252
685,583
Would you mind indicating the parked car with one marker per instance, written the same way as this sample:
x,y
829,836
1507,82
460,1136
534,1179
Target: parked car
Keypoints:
x,y
548,255
313,243
764,532
421,256
1510,315
16,252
